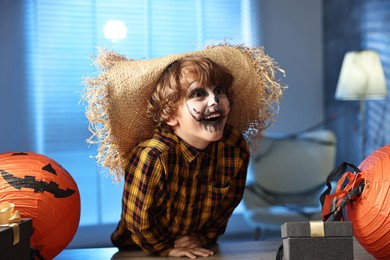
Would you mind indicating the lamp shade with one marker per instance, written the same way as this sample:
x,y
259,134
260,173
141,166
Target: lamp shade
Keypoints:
x,y
361,77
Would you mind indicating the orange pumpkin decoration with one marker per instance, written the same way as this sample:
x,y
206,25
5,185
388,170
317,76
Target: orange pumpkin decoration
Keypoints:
x,y
365,194
370,213
43,190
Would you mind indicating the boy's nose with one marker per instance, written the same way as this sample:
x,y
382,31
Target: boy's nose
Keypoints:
x,y
213,100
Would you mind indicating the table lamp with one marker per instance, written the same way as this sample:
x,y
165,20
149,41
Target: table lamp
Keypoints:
x,y
361,78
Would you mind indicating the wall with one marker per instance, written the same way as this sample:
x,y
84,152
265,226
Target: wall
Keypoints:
x,y
292,33
341,34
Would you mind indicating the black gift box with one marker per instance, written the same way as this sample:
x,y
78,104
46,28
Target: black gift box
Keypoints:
x,y
317,240
10,246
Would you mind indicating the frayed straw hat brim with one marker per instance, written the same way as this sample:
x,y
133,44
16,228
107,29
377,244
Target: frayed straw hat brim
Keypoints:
x,y
117,98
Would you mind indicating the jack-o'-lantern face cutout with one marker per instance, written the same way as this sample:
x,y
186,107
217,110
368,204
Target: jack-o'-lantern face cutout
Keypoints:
x,y
29,181
43,190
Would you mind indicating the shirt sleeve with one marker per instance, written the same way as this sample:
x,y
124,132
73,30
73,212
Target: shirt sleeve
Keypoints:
x,y
143,194
217,225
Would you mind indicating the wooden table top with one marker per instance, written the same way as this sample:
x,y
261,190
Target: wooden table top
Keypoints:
x,y
225,250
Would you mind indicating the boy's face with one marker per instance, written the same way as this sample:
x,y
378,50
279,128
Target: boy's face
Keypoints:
x,y
202,115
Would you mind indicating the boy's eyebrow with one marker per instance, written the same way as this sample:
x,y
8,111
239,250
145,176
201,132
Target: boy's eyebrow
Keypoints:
x,y
191,90
197,86
193,86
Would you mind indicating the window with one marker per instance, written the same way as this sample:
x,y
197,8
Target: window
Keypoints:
x,y
375,36
63,35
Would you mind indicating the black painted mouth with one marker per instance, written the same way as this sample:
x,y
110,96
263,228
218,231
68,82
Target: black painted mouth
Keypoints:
x,y
213,118
213,124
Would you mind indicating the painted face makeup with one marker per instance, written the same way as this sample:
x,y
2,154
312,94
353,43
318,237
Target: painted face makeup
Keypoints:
x,y
209,107
202,115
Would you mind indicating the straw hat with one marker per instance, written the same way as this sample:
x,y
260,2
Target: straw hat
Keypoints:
x,y
117,98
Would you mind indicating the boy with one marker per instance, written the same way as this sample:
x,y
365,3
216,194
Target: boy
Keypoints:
x,y
184,180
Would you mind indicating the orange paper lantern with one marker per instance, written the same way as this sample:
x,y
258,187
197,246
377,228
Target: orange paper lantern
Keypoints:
x,y
365,195
370,213
43,190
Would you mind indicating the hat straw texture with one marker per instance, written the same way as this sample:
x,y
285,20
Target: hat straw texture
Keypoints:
x,y
117,98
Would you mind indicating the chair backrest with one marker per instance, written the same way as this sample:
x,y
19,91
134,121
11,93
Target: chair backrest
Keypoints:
x,y
288,165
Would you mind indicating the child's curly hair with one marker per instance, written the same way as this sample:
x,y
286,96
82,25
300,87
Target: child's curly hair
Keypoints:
x,y
174,81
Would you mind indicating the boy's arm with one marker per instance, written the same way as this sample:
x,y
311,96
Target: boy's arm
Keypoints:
x,y
143,192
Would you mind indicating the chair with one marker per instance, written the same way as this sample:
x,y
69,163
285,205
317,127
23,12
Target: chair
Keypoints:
x,y
286,176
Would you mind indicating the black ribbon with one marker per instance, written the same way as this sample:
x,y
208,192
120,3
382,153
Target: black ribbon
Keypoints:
x,y
337,214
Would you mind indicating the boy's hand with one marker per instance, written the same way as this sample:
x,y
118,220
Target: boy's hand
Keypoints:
x,y
189,246
188,241
190,252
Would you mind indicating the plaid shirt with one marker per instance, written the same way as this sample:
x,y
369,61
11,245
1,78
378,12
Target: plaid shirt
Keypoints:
x,y
173,189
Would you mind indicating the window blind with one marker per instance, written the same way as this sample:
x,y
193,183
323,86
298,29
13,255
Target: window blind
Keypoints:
x,y
375,34
63,35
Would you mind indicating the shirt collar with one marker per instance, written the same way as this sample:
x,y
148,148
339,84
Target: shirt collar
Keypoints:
x,y
190,152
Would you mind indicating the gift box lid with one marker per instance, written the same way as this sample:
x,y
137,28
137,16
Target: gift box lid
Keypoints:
x,y
7,233
306,229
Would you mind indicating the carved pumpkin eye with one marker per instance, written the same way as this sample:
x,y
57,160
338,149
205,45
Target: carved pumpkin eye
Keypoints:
x,y
43,190
49,168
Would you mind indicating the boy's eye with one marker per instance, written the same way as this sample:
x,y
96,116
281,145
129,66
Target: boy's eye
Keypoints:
x,y
198,93
220,90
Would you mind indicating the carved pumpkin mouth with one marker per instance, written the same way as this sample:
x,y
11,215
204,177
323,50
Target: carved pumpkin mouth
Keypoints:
x,y
38,186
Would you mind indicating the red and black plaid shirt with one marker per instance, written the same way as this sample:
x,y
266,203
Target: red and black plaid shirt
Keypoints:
x,y
173,189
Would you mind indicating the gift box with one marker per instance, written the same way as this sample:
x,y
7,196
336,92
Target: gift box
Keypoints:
x,y
317,240
15,240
